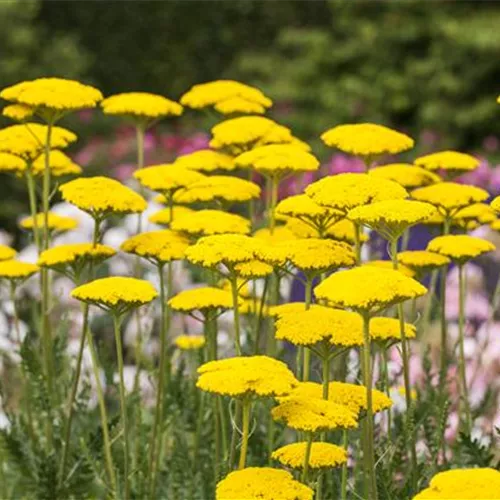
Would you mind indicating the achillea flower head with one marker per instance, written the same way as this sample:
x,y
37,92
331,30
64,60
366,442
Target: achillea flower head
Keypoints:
x,y
60,165
157,247
17,271
246,376
55,222
381,288
495,204
55,94
10,163
460,247
100,196
239,105
140,105
278,160
209,222
167,178
422,261
367,139
280,233
387,264
384,329
18,112
163,216
202,299
323,455
253,269
313,415
409,176
116,293
263,483
291,308
301,206
347,191
450,161
479,213
6,253
206,160
218,188
495,225
448,197
189,342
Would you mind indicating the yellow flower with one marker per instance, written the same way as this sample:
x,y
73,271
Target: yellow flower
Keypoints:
x,y
167,178
347,191
6,253
409,176
495,225
17,271
478,213
451,161
208,222
218,188
243,376
449,197
278,160
60,164
18,112
291,308
368,288
367,139
262,483
11,163
206,160
239,105
140,105
157,246
460,247
313,415
280,233
201,299
301,206
322,455
422,261
383,329
495,204
53,94
55,222
253,269
116,293
387,264
100,196
162,217
190,342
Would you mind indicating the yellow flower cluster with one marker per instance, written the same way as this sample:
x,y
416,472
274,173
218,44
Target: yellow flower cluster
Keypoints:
x,y
322,455
253,269
313,415
208,222
382,329
163,216
157,246
259,376
409,176
460,247
206,160
55,222
201,299
387,264
381,288
422,261
140,105
474,215
239,105
6,253
495,204
343,230
367,139
167,178
190,342
280,233
116,292
101,195
449,161
18,112
262,483
62,255
15,270
59,163
300,205
11,164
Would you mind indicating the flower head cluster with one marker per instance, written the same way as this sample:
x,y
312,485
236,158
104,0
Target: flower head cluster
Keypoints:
x,y
157,246
388,329
190,342
18,112
422,261
165,216
342,230
202,299
6,253
100,196
206,160
322,455
367,139
474,215
280,233
460,247
17,271
495,204
59,163
387,264
301,206
450,161
167,178
10,163
409,176
253,269
259,376
140,105
208,222
263,483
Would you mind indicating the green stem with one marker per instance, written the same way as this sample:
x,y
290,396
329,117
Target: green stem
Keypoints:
x,y
385,364
444,334
272,205
236,311
357,242
326,376
307,456
246,408
258,321
461,327
343,488
307,353
30,182
199,424
428,303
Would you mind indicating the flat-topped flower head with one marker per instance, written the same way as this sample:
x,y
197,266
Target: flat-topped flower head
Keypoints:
x,y
189,342
463,484
246,376
474,215
280,233
347,191
460,247
422,261
206,160
47,96
313,415
218,188
28,140
167,178
495,225
322,455
101,196
60,164
380,288
253,269
239,105
116,293
241,134
17,271
6,253
204,299
387,264
18,112
450,162
391,218
209,222
304,207
55,222
406,174
367,139
290,308
157,247
141,106
448,197
164,216
385,330
10,163
278,160
263,483
495,204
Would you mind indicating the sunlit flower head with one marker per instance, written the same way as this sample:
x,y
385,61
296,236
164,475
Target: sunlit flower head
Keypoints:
x,y
367,139
303,207
280,233
204,299
387,264
322,455
495,204
474,215
409,176
101,196
167,178
18,112
452,162
17,271
460,247
163,217
55,222
263,483
208,222
10,163
253,269
291,308
6,253
258,376
189,342
206,160
60,164
422,261
239,105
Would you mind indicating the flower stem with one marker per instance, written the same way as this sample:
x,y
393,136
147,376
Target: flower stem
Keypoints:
x,y
442,299
326,375
307,353
357,242
272,205
246,408
32,201
343,488
258,319
236,311
385,366
307,456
